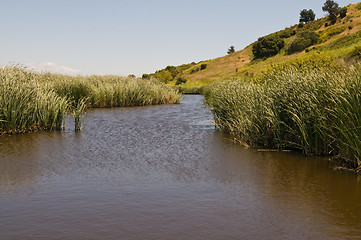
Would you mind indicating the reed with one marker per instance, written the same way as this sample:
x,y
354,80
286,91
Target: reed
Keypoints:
x,y
313,110
78,112
115,91
30,101
27,106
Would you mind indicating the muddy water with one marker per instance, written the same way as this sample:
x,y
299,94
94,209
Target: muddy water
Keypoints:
x,y
164,172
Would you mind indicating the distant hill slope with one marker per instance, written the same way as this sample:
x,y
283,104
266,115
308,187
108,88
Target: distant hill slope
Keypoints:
x,y
340,42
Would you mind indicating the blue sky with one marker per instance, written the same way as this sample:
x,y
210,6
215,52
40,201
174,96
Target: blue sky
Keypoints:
x,y
136,36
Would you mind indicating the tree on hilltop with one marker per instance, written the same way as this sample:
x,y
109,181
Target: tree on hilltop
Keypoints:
x,y
307,16
231,50
333,9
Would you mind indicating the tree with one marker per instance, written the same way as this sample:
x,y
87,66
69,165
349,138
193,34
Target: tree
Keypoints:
x,y
307,15
231,50
333,9
267,46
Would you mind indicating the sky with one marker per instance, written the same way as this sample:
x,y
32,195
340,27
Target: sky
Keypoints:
x,y
122,37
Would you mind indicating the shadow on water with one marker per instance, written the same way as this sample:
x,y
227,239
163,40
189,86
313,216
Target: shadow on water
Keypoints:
x,y
164,172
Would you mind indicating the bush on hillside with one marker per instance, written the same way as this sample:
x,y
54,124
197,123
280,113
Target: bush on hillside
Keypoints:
x,y
163,76
267,46
287,33
343,12
302,41
173,70
180,80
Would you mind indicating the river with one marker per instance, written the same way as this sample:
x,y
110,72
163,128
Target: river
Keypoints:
x,y
165,172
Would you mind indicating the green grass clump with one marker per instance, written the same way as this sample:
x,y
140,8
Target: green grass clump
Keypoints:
x,y
313,110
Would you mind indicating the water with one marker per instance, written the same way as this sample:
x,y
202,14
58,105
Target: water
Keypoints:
x,y
164,172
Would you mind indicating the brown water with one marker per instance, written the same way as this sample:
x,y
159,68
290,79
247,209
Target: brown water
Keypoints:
x,y
164,172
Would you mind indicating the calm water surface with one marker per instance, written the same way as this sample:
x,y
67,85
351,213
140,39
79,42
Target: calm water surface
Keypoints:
x,y
164,172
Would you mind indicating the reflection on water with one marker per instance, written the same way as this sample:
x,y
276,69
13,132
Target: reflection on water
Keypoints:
x,y
164,172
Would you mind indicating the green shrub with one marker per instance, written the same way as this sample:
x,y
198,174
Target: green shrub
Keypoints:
x,y
287,33
180,80
358,6
164,76
203,66
343,12
267,46
302,41
195,69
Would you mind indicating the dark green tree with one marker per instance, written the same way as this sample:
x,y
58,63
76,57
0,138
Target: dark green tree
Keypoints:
x,y
267,46
307,15
231,50
333,9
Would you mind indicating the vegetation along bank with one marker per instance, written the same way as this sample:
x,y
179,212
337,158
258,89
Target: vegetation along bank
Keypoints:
x,y
30,101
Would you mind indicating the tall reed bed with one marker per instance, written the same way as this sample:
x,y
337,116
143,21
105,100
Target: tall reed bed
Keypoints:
x,y
114,91
30,101
25,105
314,110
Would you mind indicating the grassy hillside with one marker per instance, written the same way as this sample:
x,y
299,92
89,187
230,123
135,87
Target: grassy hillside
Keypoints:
x,y
340,43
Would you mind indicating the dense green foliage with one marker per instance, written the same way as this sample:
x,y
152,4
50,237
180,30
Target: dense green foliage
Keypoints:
x,y
333,9
301,41
313,109
288,33
267,46
30,101
180,80
342,12
307,15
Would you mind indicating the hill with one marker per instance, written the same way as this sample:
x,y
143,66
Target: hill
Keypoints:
x,y
314,41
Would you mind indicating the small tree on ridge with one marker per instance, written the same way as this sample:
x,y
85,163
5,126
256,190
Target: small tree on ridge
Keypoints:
x,y
307,16
231,50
